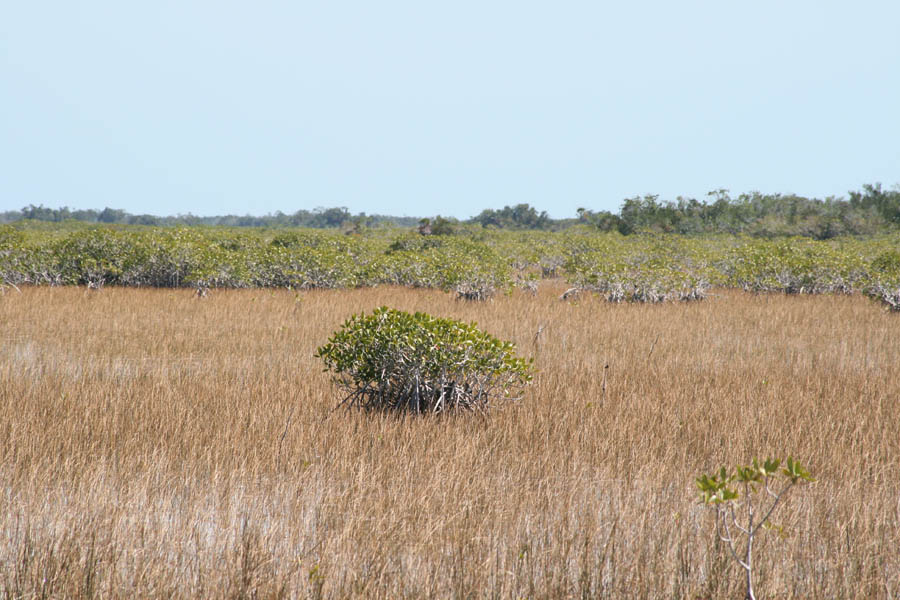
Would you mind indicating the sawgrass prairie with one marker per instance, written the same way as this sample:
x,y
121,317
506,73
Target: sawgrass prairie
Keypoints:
x,y
155,444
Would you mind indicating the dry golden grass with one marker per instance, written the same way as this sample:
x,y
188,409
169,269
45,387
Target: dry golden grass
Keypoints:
x,y
158,445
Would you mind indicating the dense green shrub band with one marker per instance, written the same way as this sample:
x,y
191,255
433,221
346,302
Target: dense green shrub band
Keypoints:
x,y
475,263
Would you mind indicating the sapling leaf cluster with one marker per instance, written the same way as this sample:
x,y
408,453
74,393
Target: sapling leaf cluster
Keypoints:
x,y
744,498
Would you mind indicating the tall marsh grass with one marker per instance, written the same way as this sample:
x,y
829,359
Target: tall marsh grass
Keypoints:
x,y
153,444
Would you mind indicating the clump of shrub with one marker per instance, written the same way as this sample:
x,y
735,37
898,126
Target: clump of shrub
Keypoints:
x,y
11,243
647,270
475,291
884,282
395,360
887,294
794,266
443,263
888,262
411,242
646,283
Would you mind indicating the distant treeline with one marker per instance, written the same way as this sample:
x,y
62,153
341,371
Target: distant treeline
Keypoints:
x,y
320,218
868,211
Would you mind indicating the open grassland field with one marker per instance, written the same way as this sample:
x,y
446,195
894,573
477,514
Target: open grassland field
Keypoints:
x,y
155,444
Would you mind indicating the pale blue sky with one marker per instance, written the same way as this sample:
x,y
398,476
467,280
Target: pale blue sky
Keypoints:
x,y
423,108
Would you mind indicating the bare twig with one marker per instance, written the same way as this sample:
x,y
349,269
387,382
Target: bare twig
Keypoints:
x,y
603,385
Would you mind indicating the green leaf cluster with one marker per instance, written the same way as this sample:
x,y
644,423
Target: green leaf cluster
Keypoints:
x,y
719,487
